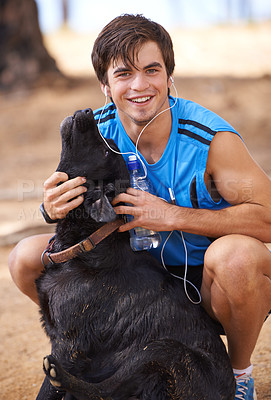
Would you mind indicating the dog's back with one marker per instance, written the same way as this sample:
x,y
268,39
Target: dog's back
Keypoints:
x,y
109,325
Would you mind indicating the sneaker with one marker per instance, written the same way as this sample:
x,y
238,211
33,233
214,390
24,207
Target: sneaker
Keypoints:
x,y
245,387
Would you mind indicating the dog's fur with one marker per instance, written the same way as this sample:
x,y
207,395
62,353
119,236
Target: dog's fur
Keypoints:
x,y
120,325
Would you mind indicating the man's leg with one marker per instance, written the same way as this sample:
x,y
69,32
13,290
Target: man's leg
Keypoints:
x,y
25,263
236,290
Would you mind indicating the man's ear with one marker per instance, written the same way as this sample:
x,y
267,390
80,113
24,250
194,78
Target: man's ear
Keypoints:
x,y
105,90
170,81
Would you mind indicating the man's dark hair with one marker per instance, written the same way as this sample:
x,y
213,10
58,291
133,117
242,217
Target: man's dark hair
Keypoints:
x,y
123,37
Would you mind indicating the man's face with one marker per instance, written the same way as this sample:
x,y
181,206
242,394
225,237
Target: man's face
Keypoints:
x,y
139,92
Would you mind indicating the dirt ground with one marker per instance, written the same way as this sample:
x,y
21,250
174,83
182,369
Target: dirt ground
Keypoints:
x,y
29,153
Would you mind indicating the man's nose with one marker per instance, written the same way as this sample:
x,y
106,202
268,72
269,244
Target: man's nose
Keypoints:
x,y
140,82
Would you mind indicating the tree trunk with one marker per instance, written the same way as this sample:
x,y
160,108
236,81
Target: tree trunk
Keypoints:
x,y
65,12
23,58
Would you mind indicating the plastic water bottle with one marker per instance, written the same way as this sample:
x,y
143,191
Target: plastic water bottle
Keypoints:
x,y
141,238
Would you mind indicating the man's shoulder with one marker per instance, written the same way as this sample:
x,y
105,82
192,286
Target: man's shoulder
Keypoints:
x,y
193,117
190,110
105,113
107,121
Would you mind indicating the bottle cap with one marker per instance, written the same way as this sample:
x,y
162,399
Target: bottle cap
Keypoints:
x,y
133,163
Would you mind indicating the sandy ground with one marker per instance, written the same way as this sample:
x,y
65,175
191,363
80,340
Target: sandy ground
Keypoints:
x,y
236,86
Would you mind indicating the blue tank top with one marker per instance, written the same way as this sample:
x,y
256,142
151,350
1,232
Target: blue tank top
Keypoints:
x,y
180,168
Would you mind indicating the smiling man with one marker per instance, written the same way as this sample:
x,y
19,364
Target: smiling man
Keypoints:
x,y
222,197
140,94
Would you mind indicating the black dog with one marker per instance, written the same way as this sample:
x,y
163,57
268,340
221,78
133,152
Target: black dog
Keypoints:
x,y
120,325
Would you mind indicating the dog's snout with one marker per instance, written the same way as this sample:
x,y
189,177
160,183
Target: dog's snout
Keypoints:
x,y
85,111
83,119
76,112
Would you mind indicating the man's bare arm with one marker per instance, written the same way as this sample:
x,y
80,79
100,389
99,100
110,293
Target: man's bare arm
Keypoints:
x,y
238,179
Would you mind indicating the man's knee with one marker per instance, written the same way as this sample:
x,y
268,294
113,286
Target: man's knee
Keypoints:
x,y
234,261
233,252
24,260
17,259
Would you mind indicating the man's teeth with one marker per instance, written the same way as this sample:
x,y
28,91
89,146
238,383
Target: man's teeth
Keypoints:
x,y
141,99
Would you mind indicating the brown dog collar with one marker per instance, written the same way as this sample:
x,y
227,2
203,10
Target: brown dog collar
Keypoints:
x,y
85,245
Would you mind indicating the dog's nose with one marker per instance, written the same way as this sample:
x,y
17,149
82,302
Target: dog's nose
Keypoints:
x,y
87,111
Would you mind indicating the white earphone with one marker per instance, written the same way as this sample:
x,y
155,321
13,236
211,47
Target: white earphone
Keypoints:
x,y
105,91
172,80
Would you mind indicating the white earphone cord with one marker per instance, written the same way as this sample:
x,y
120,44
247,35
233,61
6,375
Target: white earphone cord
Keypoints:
x,y
170,190
136,145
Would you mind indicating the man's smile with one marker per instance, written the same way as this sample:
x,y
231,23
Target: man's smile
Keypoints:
x,y
141,99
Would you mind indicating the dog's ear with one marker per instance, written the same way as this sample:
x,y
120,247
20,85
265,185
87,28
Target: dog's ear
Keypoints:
x,y
102,211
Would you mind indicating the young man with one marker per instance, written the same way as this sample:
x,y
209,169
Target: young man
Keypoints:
x,y
222,196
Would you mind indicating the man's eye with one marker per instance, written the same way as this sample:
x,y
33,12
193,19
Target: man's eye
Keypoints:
x,y
124,74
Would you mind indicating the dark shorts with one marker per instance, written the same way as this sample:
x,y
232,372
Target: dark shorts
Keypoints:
x,y
194,275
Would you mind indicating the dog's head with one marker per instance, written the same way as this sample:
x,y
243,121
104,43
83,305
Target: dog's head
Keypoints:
x,y
84,153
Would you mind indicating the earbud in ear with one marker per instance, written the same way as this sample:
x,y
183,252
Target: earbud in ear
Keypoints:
x,y
172,80
105,91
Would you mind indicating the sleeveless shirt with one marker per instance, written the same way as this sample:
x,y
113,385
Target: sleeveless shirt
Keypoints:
x,y
181,168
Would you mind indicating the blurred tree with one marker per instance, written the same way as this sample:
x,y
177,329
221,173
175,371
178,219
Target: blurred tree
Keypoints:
x,y
65,12
24,59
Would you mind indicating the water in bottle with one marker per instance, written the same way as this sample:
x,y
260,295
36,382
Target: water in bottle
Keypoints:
x,y
141,238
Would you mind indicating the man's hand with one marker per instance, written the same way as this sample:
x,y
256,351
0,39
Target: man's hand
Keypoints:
x,y
149,211
62,195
